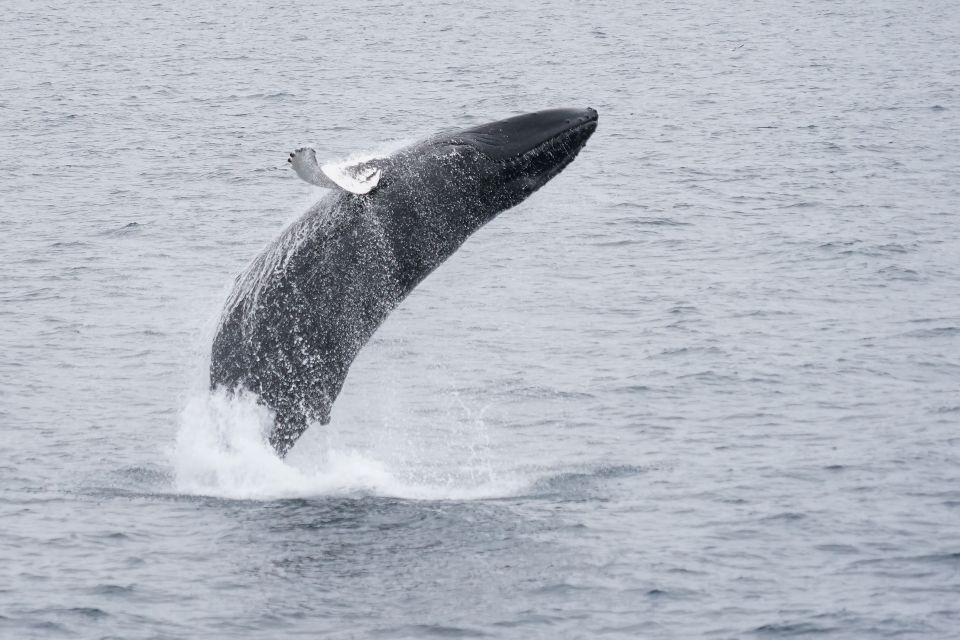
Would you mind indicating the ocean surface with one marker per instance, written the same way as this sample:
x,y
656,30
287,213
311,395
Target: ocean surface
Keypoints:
x,y
704,384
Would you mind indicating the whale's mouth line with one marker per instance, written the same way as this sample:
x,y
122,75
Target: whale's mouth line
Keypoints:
x,y
552,156
561,139
503,141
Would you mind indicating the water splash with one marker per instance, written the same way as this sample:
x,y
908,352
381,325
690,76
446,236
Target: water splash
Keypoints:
x,y
221,450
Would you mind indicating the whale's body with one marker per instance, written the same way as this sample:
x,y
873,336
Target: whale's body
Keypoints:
x,y
302,310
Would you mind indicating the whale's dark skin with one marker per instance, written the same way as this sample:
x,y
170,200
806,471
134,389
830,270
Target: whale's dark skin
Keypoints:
x,y
306,305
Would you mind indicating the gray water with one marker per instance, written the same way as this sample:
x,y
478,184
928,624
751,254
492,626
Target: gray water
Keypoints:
x,y
703,384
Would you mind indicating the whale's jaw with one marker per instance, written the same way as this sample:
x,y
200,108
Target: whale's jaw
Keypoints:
x,y
528,150
520,136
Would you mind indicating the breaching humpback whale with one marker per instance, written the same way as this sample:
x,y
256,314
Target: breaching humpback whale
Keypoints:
x,y
299,314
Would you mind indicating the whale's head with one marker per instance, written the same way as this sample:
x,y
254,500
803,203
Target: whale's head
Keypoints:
x,y
493,166
497,165
483,169
517,156
437,192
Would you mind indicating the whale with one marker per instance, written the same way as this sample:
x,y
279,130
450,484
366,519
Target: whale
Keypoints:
x,y
297,316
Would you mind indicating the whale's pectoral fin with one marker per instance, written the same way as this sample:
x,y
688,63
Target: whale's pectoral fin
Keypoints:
x,y
354,177
304,162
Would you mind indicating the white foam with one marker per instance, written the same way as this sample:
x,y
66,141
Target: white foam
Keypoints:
x,y
221,450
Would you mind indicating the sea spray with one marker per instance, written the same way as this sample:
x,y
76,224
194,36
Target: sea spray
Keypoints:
x,y
221,450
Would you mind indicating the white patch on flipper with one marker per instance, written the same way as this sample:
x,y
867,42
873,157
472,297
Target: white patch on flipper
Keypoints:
x,y
352,176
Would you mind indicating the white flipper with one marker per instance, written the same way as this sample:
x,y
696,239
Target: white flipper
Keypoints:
x,y
304,162
354,177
